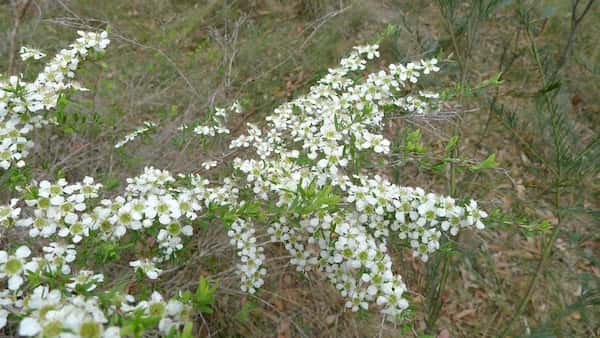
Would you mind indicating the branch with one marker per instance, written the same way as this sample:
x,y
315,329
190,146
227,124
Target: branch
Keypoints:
x,y
575,22
19,14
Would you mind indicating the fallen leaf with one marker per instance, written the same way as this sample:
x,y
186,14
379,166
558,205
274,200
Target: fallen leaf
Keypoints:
x,y
283,329
464,313
444,334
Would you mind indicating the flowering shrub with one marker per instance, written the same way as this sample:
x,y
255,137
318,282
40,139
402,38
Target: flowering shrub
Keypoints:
x,y
23,104
305,180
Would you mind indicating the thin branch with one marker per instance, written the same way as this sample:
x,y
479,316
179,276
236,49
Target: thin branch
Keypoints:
x,y
19,13
575,22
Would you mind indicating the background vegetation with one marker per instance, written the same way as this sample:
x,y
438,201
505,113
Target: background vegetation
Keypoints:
x,y
524,142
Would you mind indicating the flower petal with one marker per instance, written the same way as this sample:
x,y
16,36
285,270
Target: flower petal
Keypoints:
x,y
15,282
3,316
29,327
23,252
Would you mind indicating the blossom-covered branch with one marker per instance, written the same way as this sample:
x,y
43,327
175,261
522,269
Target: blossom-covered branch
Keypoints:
x,y
22,103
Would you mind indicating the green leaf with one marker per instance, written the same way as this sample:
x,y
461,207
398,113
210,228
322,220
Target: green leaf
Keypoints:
x,y
412,142
452,144
488,163
187,330
244,314
544,226
204,295
251,210
496,79
229,217
551,87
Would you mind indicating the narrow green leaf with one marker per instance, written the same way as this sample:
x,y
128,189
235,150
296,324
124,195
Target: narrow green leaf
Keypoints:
x,y
488,163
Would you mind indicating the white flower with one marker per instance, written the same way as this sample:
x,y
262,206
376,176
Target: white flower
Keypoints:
x,y
209,164
112,332
59,255
475,215
28,53
29,327
85,278
177,313
370,50
155,307
430,66
13,266
9,211
148,267
236,107
44,299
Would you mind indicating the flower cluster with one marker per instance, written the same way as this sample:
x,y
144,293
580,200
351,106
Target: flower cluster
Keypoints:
x,y
27,53
316,142
13,266
216,124
65,210
58,208
251,256
148,126
411,213
52,315
68,215
22,104
172,313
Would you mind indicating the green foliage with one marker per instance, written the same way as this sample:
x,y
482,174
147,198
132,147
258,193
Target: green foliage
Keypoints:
x,y
203,298
452,144
412,142
15,177
314,199
245,312
136,324
488,163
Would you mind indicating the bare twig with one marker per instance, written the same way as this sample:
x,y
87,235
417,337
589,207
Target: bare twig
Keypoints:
x,y
19,13
434,115
228,44
575,22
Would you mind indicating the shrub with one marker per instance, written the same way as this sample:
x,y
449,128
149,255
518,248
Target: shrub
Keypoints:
x,y
306,178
